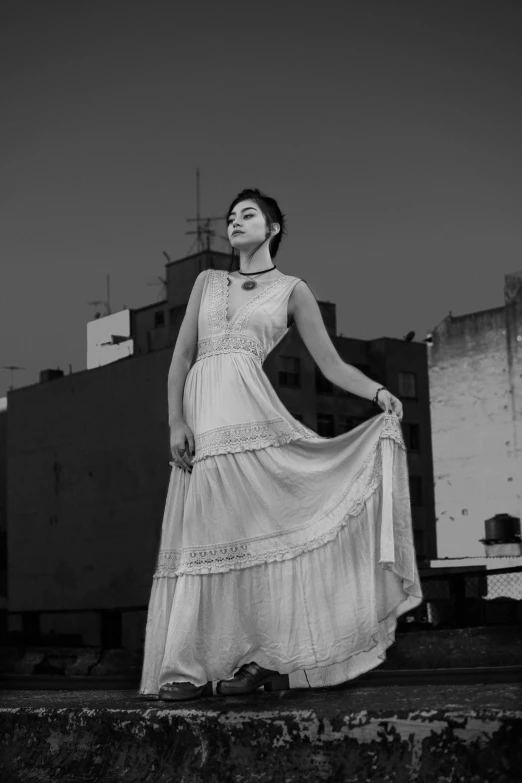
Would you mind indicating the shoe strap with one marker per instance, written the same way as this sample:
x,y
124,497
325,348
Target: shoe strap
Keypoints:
x,y
250,668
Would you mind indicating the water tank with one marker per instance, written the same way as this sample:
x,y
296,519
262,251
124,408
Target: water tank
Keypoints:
x,y
502,527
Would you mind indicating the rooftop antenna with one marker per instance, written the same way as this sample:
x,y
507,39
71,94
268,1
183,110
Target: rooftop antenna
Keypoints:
x,y
205,229
163,293
12,367
106,302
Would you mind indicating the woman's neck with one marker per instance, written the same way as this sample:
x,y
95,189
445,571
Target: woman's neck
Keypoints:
x,y
259,264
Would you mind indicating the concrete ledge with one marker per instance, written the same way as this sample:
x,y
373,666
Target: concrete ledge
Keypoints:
x,y
375,678
350,734
419,649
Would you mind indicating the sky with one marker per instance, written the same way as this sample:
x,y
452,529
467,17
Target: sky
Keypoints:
x,y
388,132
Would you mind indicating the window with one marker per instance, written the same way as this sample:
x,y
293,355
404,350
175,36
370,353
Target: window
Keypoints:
x,y
416,490
159,318
411,436
322,384
338,392
348,423
176,318
407,385
365,369
289,371
325,425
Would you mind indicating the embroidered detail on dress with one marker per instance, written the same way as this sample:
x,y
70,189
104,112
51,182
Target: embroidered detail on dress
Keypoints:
x,y
284,545
230,343
217,321
248,436
219,302
392,429
169,559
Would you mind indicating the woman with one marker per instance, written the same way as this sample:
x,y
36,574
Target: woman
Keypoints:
x,y
285,558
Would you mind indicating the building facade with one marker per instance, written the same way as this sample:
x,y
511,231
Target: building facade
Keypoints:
x,y
475,377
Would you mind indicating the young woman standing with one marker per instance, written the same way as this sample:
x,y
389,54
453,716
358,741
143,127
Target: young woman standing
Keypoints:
x,y
285,558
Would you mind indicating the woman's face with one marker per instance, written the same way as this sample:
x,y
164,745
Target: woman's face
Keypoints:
x,y
247,218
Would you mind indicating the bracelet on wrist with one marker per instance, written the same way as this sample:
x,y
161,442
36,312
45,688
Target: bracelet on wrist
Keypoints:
x,y
381,388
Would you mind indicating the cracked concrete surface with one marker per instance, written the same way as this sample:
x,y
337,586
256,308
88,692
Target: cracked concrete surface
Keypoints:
x,y
393,733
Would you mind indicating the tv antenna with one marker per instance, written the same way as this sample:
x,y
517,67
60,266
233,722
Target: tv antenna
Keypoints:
x,y
203,224
163,294
11,367
106,302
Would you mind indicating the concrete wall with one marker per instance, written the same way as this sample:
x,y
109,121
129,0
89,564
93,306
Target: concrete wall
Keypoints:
x,y
513,304
88,472
475,414
3,516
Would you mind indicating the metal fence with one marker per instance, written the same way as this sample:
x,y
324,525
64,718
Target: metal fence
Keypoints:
x,y
469,598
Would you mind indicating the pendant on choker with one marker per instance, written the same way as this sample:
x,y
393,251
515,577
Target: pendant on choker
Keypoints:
x,y
248,285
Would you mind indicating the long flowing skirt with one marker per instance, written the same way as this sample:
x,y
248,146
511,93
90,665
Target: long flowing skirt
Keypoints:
x,y
331,565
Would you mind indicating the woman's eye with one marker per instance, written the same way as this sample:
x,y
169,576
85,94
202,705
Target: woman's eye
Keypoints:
x,y
231,220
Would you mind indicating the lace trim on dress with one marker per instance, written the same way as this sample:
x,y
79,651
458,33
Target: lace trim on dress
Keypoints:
x,y
392,429
285,545
230,343
248,436
217,294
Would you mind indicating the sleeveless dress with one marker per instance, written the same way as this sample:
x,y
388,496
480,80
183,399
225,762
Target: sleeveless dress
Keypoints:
x,y
281,547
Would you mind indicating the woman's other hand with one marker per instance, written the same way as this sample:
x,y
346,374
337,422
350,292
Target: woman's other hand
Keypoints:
x,y
182,445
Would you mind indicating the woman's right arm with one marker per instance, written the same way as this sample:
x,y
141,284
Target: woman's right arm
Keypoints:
x,y
184,350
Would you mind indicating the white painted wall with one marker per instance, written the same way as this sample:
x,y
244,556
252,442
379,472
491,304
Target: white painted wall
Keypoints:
x,y
473,430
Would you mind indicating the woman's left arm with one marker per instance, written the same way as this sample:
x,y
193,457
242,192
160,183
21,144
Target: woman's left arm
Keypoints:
x,y
309,321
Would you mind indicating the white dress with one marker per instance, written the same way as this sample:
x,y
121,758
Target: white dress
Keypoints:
x,y
281,547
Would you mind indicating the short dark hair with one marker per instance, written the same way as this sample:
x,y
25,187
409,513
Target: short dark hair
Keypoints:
x,y
271,211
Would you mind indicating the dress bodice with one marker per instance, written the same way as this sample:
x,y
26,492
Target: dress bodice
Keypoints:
x,y
256,325
229,402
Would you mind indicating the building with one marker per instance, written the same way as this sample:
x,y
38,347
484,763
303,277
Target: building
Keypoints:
x,y
475,378
88,456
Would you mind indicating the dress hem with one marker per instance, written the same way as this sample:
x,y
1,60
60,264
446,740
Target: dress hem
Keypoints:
x,y
394,614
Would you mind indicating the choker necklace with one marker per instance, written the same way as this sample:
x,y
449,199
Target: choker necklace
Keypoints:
x,y
248,285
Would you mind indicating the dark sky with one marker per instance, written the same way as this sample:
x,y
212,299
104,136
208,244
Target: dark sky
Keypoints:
x,y
390,133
